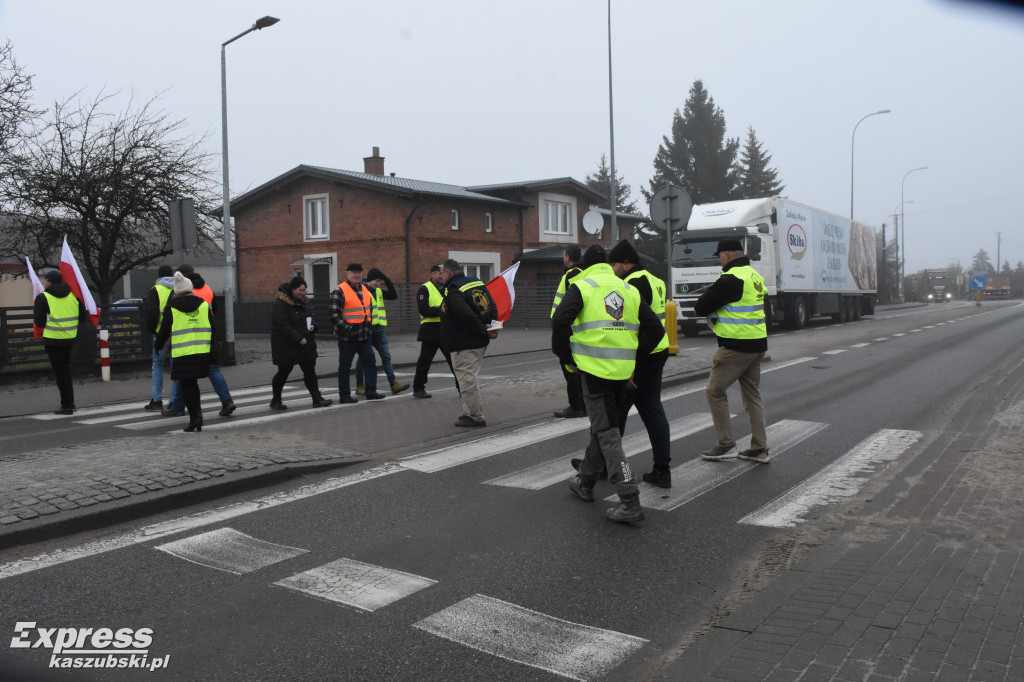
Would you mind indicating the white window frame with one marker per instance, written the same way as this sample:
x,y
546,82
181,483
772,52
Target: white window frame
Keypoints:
x,y
307,234
307,271
570,235
488,222
455,218
490,258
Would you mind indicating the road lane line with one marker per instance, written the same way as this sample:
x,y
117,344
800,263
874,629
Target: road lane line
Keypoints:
x,y
839,480
515,633
362,586
227,549
834,352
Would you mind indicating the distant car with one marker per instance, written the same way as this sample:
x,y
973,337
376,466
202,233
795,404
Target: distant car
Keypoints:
x,y
127,304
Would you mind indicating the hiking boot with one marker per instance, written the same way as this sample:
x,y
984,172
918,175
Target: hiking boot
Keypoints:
x,y
466,420
583,488
660,478
375,396
277,405
346,400
397,387
571,413
322,402
751,455
575,462
228,408
629,509
154,406
360,389
171,412
420,393
719,452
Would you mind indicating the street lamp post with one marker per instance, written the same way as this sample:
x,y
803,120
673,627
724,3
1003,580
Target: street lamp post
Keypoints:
x,y
903,219
229,270
852,139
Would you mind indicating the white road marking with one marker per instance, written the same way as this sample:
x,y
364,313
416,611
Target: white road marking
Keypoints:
x,y
515,633
558,470
900,334
860,345
912,331
834,352
696,477
362,586
884,338
840,479
209,404
227,549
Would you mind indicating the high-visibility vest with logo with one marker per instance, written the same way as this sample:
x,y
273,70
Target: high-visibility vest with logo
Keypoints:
x,y
605,333
380,315
743,319
563,285
434,299
62,320
190,332
162,294
358,308
657,301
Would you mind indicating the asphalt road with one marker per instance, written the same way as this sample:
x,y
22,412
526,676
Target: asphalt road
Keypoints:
x,y
474,562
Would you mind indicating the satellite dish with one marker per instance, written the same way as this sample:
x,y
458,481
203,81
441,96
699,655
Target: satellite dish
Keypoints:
x,y
593,222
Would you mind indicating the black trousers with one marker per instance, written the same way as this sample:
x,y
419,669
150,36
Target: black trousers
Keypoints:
x,y
60,360
308,377
192,398
428,349
573,389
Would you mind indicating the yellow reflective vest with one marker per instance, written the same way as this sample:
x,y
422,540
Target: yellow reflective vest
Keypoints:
x,y
191,333
657,301
563,285
434,299
605,333
743,319
62,320
162,294
380,315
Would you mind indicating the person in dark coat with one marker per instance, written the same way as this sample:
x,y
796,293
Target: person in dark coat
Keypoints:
x,y
293,341
191,353
59,331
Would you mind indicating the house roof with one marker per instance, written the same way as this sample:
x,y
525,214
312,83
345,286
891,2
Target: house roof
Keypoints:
x,y
387,183
537,184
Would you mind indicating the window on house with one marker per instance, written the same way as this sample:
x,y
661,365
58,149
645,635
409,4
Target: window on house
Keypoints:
x,y
488,222
314,212
557,217
480,271
455,219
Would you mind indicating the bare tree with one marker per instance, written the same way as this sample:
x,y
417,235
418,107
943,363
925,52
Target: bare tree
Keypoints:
x,y
104,179
16,111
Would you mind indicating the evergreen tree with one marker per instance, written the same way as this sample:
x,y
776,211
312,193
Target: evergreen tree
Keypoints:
x,y
981,263
698,157
754,178
601,182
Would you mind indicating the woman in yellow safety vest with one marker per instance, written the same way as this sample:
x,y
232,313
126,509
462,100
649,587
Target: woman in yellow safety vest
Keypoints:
x,y
188,323
56,313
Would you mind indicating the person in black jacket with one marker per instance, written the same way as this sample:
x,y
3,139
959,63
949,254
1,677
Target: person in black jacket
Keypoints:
x,y
293,342
428,304
189,364
59,332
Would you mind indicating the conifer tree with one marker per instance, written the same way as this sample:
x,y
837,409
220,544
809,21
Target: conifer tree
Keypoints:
x,y
755,178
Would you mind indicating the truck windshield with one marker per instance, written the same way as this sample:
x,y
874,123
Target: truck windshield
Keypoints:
x,y
691,252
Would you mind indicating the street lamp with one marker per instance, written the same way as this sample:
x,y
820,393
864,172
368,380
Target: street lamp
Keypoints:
x,y
903,239
229,270
852,138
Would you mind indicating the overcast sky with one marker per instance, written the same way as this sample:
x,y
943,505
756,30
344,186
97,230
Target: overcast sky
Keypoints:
x,y
478,92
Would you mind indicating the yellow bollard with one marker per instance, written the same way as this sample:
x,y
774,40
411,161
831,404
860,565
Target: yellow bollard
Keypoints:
x,y
977,297
671,327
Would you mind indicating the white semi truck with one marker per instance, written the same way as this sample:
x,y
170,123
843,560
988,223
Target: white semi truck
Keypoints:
x,y
813,262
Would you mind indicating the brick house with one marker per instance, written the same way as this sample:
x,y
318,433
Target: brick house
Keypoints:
x,y
312,221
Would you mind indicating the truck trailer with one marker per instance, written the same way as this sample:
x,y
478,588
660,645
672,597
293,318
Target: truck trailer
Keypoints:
x,y
813,262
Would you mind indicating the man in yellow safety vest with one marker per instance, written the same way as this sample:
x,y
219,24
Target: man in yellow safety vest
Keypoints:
x,y
57,312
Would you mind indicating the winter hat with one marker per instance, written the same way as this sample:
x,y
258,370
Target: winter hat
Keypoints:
x,y
53,277
624,253
594,255
375,274
355,267
165,271
186,269
182,284
296,282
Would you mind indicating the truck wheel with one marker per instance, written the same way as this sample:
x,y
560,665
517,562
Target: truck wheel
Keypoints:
x,y
768,315
856,308
689,329
797,313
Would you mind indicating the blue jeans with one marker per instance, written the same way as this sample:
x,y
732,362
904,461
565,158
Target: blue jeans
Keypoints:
x,y
220,385
348,350
159,358
379,340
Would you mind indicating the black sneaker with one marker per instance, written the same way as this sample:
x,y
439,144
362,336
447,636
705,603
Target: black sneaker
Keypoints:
x,y
420,393
719,452
759,456
347,400
277,405
228,408
466,420
322,402
575,462
154,406
171,412
659,478
375,396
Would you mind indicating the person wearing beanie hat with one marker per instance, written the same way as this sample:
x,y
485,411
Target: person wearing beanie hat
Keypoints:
x,y
381,289
645,389
352,316
293,342
152,309
599,330
428,304
574,391
188,320
56,315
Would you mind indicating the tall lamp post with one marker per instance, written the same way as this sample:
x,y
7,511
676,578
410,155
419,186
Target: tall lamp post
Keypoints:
x,y
611,131
229,270
903,238
853,137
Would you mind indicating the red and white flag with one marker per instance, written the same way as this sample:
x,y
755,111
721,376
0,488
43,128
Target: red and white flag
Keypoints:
x,y
73,278
503,292
37,288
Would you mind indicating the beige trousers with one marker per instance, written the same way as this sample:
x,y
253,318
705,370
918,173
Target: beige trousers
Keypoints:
x,y
466,365
727,367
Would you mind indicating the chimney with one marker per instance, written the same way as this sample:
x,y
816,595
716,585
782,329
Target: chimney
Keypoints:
x,y
374,165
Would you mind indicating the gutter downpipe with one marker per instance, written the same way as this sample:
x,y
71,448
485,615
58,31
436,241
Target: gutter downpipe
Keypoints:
x,y
408,219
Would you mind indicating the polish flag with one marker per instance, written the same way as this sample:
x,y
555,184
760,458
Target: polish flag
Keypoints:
x,y
503,292
37,288
73,278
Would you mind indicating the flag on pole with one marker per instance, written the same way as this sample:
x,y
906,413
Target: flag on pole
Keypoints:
x,y
73,278
37,288
503,292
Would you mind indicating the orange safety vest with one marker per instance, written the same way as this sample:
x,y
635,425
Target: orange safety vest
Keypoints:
x,y
357,308
205,293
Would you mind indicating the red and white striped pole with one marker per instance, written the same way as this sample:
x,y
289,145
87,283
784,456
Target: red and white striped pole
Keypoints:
x,y
104,355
